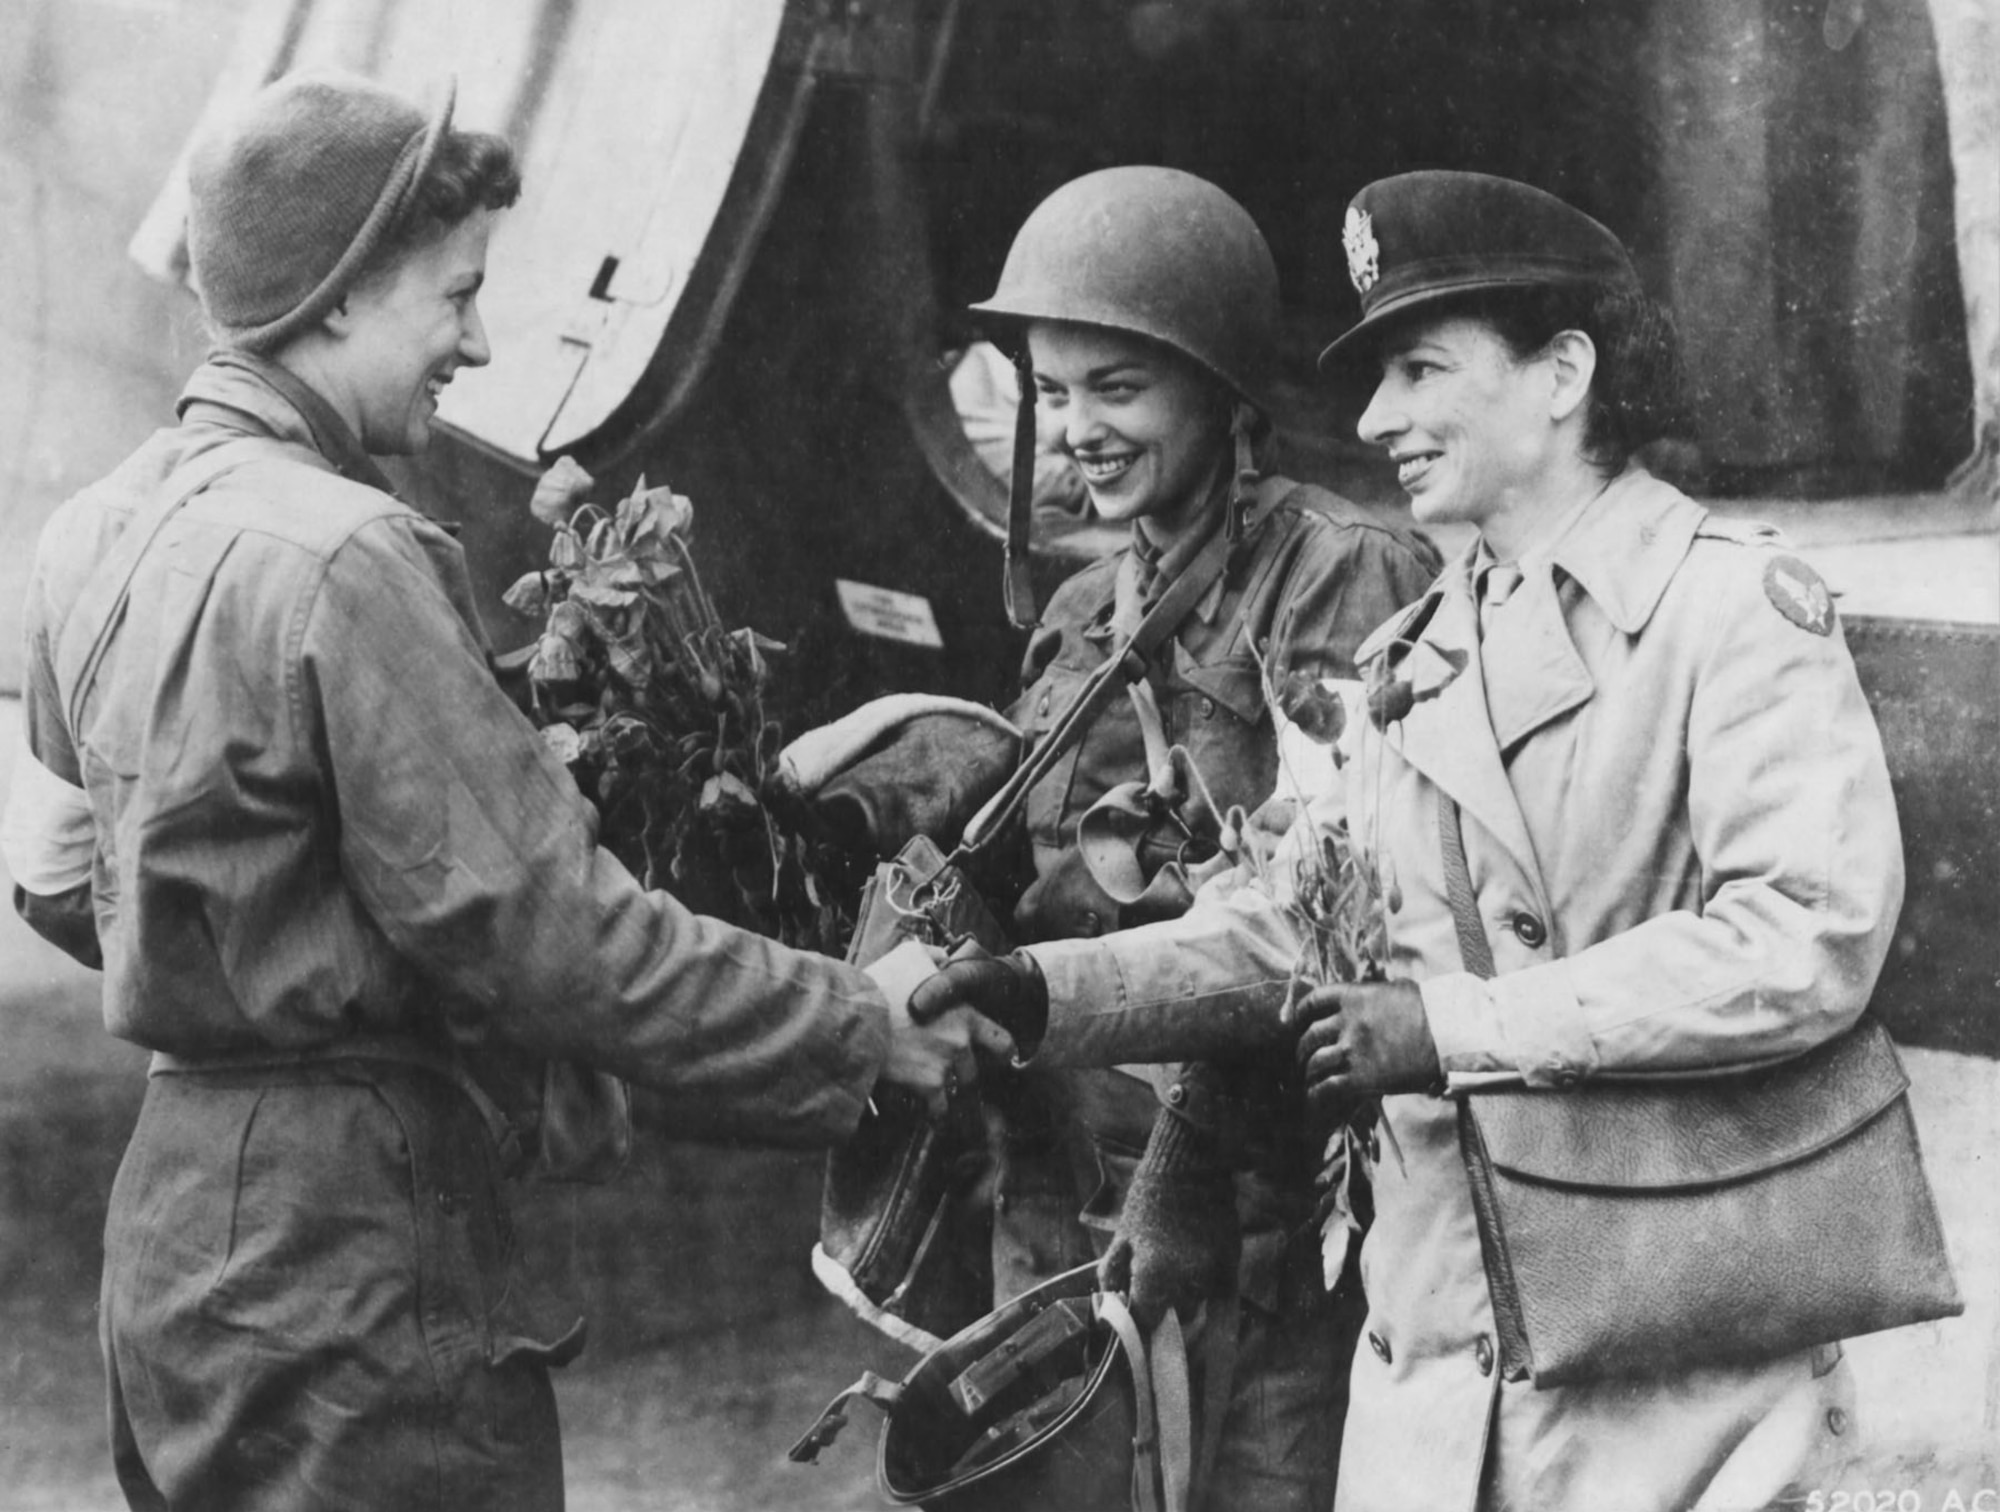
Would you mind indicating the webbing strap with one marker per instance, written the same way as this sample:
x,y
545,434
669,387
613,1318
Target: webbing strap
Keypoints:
x,y
1472,942
1127,662
1018,584
1175,1410
101,604
1145,1437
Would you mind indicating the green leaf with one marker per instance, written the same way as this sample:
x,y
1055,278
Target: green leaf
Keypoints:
x,y
554,661
631,660
529,594
665,510
594,590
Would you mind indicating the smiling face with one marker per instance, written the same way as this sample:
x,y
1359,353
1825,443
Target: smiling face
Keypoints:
x,y
1468,424
1148,428
405,332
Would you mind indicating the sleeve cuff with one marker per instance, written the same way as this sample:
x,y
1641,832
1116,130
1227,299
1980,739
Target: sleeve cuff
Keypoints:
x,y
1526,1023
48,836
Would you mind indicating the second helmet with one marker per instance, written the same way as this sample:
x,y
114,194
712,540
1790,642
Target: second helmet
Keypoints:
x,y
1156,252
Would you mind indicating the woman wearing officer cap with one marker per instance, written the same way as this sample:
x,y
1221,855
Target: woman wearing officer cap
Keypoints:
x,y
339,886
1674,836
1142,305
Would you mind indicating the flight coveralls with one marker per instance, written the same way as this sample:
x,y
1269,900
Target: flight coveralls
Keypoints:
x,y
1316,576
1682,842
333,867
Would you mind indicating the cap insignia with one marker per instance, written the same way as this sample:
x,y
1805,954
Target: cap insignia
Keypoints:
x,y
1363,254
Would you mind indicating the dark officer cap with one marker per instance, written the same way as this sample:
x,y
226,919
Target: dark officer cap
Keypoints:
x,y
1419,237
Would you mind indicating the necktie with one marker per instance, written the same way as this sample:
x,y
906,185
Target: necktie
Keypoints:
x,y
1498,583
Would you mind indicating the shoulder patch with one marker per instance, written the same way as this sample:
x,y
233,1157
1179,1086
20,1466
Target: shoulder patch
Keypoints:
x,y
1742,532
1799,594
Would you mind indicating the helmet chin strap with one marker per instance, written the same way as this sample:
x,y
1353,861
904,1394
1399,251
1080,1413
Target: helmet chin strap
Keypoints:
x,y
1018,584
1243,491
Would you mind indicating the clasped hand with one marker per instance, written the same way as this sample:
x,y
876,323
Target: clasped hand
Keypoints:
x,y
974,1007
1361,1039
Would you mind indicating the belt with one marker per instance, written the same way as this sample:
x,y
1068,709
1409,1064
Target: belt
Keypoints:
x,y
395,1049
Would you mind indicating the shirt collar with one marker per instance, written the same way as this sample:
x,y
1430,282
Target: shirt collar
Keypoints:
x,y
277,402
1170,563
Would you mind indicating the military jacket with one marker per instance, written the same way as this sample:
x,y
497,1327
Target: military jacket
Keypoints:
x,y
317,814
1310,582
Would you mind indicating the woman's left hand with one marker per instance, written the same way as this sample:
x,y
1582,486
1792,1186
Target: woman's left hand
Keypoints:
x,y
1364,1038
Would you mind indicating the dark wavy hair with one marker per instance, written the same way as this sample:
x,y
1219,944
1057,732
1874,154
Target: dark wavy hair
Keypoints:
x,y
473,171
1639,392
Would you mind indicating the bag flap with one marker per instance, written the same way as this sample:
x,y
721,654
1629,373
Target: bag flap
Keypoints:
x,y
1689,1133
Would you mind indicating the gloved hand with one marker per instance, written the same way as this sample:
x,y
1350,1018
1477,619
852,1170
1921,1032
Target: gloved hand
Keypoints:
x,y
1364,1038
1178,1240
1007,989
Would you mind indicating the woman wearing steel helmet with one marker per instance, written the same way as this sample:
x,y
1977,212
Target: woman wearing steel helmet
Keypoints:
x,y
1142,306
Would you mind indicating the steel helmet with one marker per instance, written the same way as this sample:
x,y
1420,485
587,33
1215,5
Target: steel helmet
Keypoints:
x,y
1157,252
1035,1406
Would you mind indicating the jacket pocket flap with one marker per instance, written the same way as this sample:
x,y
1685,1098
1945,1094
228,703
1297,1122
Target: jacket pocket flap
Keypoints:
x,y
1691,1133
1236,682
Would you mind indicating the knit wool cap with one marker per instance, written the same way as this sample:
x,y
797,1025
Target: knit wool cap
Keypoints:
x,y
290,198
1418,238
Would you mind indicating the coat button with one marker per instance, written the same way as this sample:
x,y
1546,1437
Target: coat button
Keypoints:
x,y
1482,1351
1176,1094
1529,931
1043,706
1208,708
1089,924
1836,1420
1380,1345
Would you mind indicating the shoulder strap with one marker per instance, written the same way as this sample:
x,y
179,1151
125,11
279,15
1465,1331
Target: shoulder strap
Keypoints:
x,y
101,604
1127,663
1472,942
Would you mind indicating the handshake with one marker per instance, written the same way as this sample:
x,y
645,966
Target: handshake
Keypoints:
x,y
1350,1040
970,1006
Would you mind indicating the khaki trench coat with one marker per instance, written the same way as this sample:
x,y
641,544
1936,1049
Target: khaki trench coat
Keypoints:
x,y
1682,843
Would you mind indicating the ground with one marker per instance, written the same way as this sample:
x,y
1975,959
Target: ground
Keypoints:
x,y
713,1348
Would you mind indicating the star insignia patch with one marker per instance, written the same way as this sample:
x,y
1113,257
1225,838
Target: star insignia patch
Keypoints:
x,y
1364,254
1799,594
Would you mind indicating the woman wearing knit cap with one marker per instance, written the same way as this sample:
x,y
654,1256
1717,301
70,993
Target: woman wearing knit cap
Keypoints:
x,y
337,884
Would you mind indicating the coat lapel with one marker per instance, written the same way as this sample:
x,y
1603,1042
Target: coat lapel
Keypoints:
x,y
1532,669
1450,739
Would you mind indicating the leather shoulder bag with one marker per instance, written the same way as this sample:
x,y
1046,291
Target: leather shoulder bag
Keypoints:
x,y
1644,1226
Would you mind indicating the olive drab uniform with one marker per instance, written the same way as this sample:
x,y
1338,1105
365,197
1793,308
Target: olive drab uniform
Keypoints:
x,y
1315,576
330,855
1682,842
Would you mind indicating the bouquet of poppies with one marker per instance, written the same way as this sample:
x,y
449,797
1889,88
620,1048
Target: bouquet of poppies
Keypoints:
x,y
1337,906
659,712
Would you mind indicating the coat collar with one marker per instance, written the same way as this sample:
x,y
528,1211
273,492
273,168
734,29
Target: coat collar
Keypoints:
x,y
1626,547
1622,551
265,397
